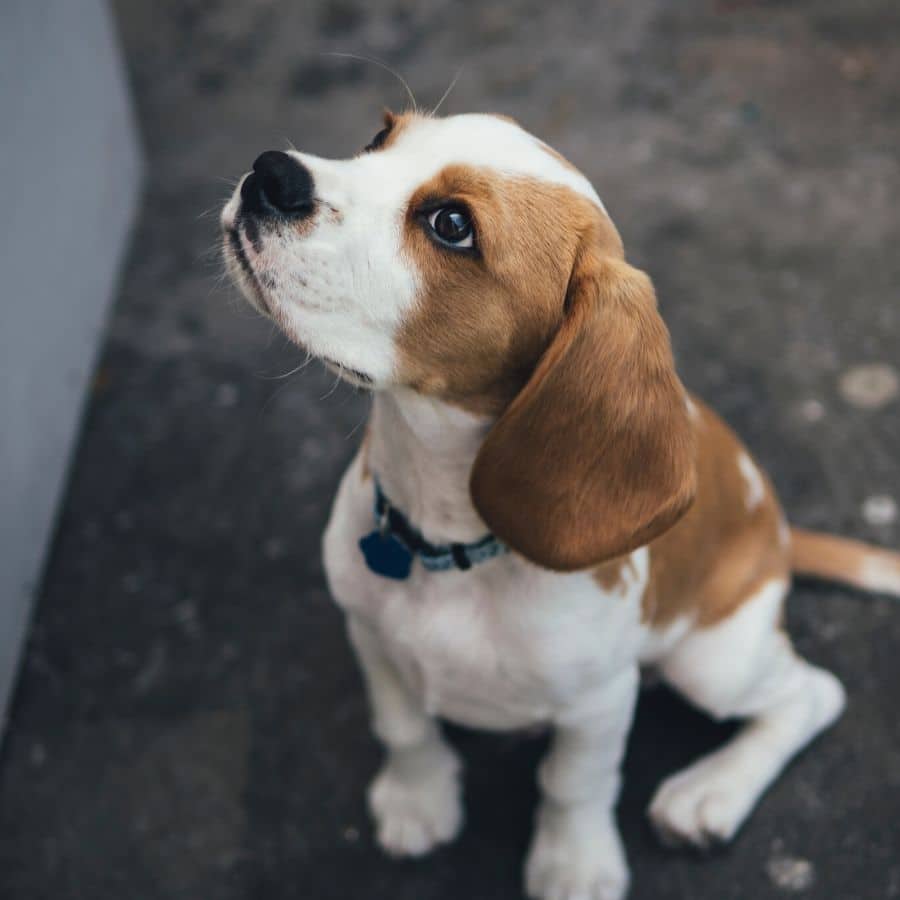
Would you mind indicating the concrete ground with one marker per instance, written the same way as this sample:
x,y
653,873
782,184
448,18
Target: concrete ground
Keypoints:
x,y
189,722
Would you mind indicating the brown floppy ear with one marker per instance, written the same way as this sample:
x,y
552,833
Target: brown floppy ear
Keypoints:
x,y
595,455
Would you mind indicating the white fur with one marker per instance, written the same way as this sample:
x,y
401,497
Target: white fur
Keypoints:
x,y
756,490
506,644
784,532
744,667
473,645
877,574
344,288
693,411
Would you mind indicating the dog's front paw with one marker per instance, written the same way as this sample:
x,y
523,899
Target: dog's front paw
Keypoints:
x,y
576,858
415,812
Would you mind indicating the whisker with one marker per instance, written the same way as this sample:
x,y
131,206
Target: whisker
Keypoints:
x,y
446,93
334,387
294,371
212,253
357,426
381,65
273,397
213,209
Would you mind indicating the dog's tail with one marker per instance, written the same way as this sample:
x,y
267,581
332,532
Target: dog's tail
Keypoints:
x,y
840,559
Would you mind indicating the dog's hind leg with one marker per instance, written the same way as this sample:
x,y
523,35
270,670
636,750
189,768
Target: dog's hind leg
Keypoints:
x,y
742,667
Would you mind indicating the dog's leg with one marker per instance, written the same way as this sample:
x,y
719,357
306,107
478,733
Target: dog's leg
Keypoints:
x,y
577,853
742,667
415,797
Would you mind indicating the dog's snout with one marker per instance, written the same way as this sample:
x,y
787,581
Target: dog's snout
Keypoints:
x,y
278,183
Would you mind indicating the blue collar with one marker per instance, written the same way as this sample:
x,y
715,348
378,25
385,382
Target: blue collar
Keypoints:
x,y
389,549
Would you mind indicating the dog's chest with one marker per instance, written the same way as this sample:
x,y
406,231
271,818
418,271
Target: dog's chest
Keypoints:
x,y
502,645
496,647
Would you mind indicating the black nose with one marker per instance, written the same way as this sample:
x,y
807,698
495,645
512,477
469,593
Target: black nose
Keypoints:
x,y
278,183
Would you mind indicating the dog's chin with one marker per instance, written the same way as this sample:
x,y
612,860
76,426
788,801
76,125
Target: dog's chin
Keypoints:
x,y
252,287
351,376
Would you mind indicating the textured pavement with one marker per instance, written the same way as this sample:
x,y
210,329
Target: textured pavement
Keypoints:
x,y
189,722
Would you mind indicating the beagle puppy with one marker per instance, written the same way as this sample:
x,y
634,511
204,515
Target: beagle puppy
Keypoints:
x,y
539,508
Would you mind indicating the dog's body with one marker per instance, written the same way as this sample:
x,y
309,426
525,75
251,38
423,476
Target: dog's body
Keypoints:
x,y
641,532
508,644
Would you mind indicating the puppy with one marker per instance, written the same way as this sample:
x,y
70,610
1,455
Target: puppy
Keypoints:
x,y
539,508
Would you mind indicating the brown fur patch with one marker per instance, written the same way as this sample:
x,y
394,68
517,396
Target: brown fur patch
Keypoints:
x,y
597,446
721,552
483,321
614,575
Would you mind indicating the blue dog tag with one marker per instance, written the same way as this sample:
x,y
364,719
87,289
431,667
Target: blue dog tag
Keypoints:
x,y
386,555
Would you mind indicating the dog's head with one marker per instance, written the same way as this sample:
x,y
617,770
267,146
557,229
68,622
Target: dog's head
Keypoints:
x,y
466,260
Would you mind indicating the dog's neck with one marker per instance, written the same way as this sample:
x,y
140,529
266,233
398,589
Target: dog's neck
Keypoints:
x,y
421,451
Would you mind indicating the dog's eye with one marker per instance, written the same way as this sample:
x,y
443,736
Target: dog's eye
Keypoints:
x,y
452,225
377,141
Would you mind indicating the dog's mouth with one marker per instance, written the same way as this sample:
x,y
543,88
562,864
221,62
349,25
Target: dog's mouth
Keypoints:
x,y
237,249
353,376
256,286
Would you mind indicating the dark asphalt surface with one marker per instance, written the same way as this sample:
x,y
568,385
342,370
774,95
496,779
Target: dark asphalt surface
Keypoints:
x,y
189,722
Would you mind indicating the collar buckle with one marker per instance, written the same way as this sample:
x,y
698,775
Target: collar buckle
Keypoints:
x,y
394,536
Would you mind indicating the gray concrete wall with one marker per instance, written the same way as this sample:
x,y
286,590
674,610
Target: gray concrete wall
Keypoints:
x,y
69,177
